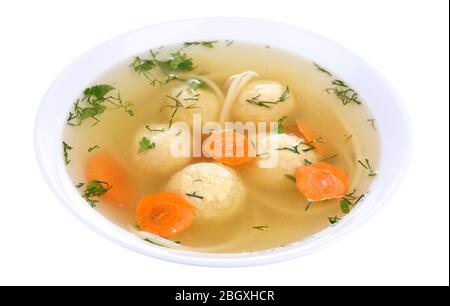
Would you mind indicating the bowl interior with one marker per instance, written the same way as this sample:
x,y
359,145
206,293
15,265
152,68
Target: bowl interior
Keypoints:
x,y
384,103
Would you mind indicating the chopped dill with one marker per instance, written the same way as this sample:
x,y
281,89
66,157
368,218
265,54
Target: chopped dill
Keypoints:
x,y
79,185
153,242
290,177
263,154
260,227
372,122
169,78
269,104
143,66
294,149
93,190
306,162
154,130
175,62
308,205
345,206
207,44
308,146
229,42
346,203
195,84
350,195
66,149
348,137
329,158
176,107
280,128
146,144
195,195
366,165
322,69
334,220
93,103
343,92
90,149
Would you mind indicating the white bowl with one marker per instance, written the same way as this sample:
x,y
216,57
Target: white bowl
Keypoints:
x,y
382,100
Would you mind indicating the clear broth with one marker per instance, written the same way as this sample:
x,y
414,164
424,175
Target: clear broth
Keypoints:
x,y
347,129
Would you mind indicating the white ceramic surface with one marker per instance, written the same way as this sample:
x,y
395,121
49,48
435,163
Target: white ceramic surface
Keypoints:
x,y
382,100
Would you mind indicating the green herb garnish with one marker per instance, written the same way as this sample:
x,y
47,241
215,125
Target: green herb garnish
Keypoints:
x,y
308,146
195,84
195,195
79,185
176,62
145,144
322,69
261,227
308,205
334,220
346,202
290,177
263,154
153,242
66,149
329,158
90,149
294,149
143,66
345,206
154,130
343,92
93,190
269,104
207,44
280,128
229,42
93,103
372,122
169,78
306,162
348,137
366,164
177,106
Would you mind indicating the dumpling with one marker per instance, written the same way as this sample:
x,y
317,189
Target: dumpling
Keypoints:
x,y
263,101
151,149
188,99
214,190
280,155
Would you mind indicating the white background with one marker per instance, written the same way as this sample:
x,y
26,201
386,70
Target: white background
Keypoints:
x,y
407,243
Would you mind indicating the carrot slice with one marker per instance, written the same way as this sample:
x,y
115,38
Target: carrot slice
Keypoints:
x,y
164,214
104,167
229,147
322,181
309,136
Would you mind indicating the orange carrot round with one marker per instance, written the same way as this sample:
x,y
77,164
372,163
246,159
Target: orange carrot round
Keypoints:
x,y
322,181
229,147
164,214
104,167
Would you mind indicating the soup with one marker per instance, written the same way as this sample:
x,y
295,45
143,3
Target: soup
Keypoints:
x,y
221,146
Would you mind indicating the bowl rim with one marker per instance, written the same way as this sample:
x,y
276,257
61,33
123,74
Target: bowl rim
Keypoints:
x,y
72,200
